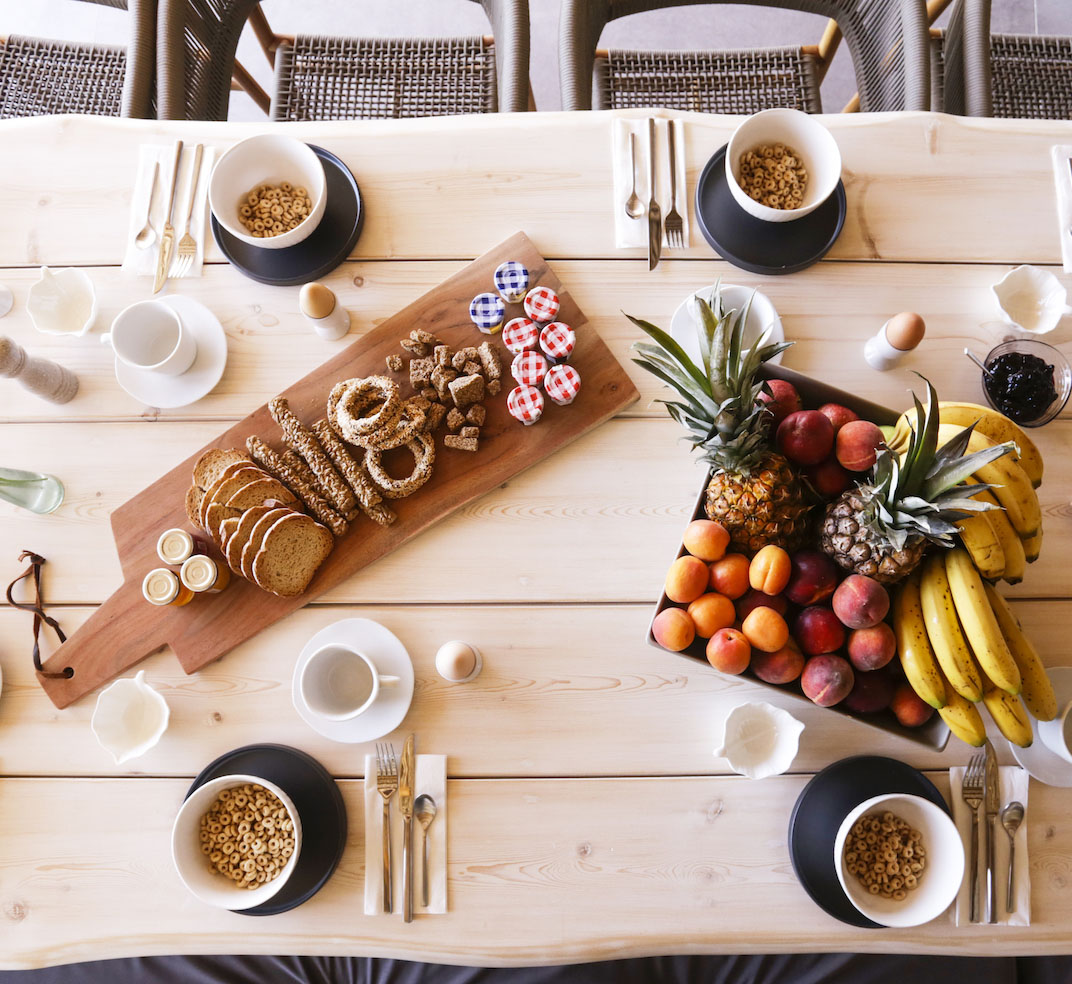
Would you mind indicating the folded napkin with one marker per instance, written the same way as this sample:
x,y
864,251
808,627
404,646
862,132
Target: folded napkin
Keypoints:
x,y
142,262
634,232
430,778
1062,174
1012,785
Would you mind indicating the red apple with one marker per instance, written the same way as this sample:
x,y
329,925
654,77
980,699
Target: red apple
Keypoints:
x,y
805,437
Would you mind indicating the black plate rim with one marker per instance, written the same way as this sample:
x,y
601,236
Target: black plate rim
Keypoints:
x,y
927,789
225,240
273,906
763,269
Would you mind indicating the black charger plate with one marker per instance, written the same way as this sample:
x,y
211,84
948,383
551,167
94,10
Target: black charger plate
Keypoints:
x,y
318,802
758,246
821,807
321,251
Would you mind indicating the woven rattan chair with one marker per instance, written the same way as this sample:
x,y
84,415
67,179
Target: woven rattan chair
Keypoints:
x,y
886,38
318,78
39,77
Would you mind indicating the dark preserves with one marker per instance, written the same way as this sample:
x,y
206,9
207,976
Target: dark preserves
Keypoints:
x,y
1021,386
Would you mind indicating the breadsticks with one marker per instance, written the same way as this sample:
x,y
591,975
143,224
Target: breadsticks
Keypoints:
x,y
267,457
354,473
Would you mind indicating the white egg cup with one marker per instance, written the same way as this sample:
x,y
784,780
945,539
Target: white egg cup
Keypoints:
x,y
130,718
62,302
760,740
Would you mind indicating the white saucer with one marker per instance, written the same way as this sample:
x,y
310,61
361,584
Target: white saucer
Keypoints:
x,y
154,389
1042,764
761,315
391,659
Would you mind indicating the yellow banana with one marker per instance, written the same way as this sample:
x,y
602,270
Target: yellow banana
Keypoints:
x,y
1009,715
980,539
914,647
963,718
944,631
1033,546
1037,692
998,428
1012,546
980,624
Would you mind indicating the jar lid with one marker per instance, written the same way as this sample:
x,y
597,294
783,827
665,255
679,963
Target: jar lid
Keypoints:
x,y
525,403
174,546
529,368
520,334
511,280
541,304
199,573
160,587
487,311
562,384
557,341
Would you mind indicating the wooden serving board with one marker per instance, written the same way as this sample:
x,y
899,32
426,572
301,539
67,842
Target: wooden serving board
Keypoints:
x,y
126,629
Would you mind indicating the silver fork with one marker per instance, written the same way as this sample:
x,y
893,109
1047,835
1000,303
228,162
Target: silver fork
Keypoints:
x,y
971,791
387,786
184,258
674,228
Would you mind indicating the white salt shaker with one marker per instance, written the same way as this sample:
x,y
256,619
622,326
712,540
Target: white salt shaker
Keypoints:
x,y
330,320
896,338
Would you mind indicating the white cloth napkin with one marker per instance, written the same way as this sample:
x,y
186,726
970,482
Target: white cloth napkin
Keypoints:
x,y
1012,785
1062,175
430,778
142,262
634,232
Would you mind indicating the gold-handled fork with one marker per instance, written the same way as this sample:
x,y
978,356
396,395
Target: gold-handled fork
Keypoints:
x,y
387,786
971,791
184,257
675,230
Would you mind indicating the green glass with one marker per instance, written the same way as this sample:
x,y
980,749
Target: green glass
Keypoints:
x,y
31,490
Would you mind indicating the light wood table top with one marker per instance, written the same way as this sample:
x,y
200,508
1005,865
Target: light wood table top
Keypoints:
x,y
589,818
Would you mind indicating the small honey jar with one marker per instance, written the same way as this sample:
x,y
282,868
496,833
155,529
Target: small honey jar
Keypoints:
x,y
204,575
175,546
163,587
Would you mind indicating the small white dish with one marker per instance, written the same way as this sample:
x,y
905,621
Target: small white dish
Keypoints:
x,y
760,740
1030,299
761,315
390,657
1041,762
167,392
7,300
940,883
129,718
62,302
193,867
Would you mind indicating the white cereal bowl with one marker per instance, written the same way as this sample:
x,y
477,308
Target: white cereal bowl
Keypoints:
x,y
942,875
810,140
193,867
269,158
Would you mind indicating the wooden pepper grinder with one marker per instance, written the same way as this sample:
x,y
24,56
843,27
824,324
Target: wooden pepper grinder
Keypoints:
x,y
44,377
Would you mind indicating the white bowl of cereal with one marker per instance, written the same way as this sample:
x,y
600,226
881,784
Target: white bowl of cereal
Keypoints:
x,y
270,170
927,865
782,164
264,846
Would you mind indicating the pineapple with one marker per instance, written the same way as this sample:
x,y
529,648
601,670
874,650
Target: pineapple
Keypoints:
x,y
753,492
883,527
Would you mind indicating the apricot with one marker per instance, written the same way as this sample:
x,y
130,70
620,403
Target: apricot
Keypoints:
x,y
806,437
817,630
782,666
729,576
757,599
706,539
728,650
873,648
686,580
827,679
711,612
857,445
909,708
813,578
770,569
765,629
860,602
673,629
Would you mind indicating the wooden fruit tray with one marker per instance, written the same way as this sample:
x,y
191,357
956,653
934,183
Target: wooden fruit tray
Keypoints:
x,y
126,629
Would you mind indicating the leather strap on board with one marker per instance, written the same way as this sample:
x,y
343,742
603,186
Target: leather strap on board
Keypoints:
x,y
37,606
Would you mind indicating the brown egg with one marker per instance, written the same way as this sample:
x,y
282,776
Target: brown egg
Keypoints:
x,y
905,331
316,301
457,661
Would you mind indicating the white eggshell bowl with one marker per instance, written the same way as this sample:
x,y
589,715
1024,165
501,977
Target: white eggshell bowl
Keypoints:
x,y
62,302
760,740
269,158
807,137
129,719
193,867
942,875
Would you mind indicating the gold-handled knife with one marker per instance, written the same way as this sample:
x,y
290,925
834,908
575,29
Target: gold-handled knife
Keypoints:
x,y
655,215
405,806
167,239
991,798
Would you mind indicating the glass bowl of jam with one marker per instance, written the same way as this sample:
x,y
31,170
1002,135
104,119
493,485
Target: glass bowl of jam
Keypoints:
x,y
1026,380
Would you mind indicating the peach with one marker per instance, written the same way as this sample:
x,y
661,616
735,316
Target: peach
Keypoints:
x,y
757,599
838,415
729,651
706,539
873,648
812,578
860,602
782,400
828,478
857,445
769,570
909,708
782,666
729,576
827,680
686,580
765,629
711,612
871,692
817,631
805,437
673,629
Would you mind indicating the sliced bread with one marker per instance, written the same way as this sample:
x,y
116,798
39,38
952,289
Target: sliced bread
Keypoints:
x,y
227,528
292,552
223,488
237,540
215,515
194,495
258,492
256,537
212,463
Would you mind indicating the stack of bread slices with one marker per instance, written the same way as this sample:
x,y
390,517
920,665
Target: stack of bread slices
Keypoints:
x,y
257,523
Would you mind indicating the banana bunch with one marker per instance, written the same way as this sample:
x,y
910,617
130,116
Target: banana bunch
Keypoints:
x,y
961,646
1001,541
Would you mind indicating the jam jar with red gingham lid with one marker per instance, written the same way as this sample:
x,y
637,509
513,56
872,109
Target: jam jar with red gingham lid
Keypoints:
x,y
562,384
529,368
520,335
541,304
525,403
557,341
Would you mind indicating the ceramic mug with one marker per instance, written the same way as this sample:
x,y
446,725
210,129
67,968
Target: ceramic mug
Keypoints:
x,y
150,336
1056,735
340,683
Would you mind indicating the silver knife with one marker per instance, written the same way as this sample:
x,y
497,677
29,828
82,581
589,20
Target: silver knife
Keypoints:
x,y
167,239
405,805
655,216
991,799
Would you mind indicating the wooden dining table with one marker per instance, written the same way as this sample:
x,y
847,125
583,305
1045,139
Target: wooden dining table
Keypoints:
x,y
588,815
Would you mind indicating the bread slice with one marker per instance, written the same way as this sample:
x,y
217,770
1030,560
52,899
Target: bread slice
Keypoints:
x,y
227,528
259,491
215,515
256,537
292,552
194,495
232,548
223,488
212,463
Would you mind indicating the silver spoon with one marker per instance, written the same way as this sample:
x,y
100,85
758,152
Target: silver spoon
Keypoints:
x,y
424,809
979,362
147,234
1011,818
634,207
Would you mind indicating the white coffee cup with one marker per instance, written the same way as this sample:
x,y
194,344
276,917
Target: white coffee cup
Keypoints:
x,y
150,336
339,683
1056,735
